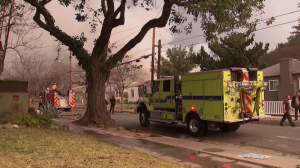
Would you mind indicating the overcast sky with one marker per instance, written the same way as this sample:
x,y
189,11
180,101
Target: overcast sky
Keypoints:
x,y
136,17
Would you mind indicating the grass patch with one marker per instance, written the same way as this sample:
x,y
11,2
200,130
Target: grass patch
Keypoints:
x,y
50,148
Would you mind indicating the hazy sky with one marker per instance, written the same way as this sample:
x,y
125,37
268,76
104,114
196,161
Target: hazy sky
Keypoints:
x,y
135,17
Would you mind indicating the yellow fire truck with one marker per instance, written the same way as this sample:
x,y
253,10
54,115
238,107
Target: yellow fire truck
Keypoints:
x,y
205,100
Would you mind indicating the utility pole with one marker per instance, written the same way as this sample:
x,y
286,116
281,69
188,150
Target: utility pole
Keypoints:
x,y
159,58
70,69
153,55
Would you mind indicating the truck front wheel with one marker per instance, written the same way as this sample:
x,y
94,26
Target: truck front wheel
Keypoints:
x,y
196,126
144,118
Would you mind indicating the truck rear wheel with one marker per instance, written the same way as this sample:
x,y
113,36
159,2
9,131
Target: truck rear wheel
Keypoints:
x,y
144,118
237,126
229,127
196,126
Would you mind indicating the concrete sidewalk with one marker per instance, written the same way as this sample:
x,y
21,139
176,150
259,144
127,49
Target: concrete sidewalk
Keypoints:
x,y
231,152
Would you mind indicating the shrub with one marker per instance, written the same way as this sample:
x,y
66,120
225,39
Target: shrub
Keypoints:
x,y
31,110
34,120
15,112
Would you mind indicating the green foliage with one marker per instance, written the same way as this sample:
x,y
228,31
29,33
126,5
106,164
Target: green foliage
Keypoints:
x,y
49,109
15,111
179,61
234,50
56,112
34,120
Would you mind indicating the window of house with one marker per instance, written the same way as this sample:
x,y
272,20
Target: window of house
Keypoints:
x,y
132,93
167,86
273,85
155,86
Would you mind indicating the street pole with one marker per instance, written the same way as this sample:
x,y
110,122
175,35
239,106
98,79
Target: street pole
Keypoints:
x,y
70,70
153,54
159,57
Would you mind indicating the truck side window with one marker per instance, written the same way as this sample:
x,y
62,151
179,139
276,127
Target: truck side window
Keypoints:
x,y
167,86
155,86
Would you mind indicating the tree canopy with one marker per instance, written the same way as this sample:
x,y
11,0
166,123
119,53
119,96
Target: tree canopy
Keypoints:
x,y
290,49
178,62
215,17
234,50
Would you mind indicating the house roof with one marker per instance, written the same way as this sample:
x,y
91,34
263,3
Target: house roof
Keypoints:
x,y
135,84
274,70
296,66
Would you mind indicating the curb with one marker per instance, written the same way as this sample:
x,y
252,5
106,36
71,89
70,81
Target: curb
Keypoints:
x,y
218,155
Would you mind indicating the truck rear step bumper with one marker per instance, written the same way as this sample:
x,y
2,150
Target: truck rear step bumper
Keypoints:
x,y
246,119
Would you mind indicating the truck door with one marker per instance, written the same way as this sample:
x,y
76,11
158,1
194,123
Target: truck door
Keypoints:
x,y
155,96
166,94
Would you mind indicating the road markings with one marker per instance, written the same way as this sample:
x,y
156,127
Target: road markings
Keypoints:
x,y
284,137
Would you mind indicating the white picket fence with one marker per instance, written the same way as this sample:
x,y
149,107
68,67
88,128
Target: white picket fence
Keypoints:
x,y
275,108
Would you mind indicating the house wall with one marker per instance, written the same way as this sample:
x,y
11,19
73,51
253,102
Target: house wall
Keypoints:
x,y
80,98
135,96
287,86
9,99
271,95
296,78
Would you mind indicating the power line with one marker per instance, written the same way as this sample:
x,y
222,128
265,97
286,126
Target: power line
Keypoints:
x,y
276,25
136,60
282,15
173,35
127,29
126,36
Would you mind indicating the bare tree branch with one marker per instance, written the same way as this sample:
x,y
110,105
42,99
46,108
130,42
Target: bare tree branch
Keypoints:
x,y
159,22
120,10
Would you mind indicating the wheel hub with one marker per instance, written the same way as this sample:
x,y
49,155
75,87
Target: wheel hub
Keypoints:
x,y
194,125
142,118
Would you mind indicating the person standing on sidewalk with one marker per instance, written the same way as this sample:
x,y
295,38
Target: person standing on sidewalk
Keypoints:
x,y
286,110
296,104
112,105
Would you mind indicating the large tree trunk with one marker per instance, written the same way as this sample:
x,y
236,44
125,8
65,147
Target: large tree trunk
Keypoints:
x,y
97,113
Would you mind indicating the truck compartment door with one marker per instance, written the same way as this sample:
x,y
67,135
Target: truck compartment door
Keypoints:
x,y
208,100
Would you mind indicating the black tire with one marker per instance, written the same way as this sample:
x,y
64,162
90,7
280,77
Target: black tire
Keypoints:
x,y
196,126
144,117
228,127
237,126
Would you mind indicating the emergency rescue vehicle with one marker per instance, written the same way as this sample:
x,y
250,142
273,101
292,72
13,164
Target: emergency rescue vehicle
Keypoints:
x,y
58,100
223,99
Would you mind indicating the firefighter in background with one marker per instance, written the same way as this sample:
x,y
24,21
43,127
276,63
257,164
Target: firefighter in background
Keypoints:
x,y
40,101
54,86
30,101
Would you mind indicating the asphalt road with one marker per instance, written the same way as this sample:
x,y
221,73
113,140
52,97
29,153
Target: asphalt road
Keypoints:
x,y
282,139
